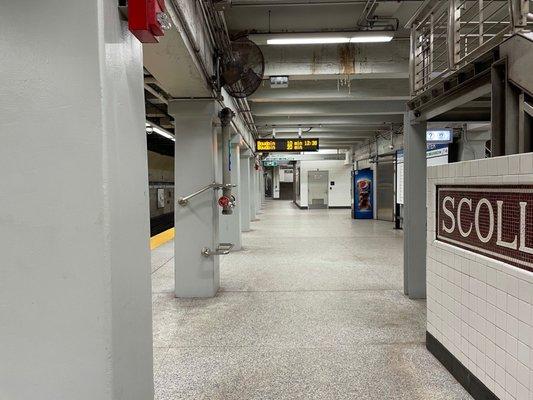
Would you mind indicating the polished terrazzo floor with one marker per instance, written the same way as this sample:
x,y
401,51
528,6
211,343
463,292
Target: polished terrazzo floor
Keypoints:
x,y
312,308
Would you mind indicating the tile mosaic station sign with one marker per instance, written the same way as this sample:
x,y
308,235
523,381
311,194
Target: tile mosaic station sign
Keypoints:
x,y
495,221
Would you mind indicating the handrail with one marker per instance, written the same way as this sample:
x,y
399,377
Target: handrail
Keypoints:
x,y
222,249
460,30
183,201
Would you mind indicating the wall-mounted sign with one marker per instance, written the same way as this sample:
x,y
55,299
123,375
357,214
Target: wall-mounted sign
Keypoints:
x,y
363,192
286,145
443,135
495,221
436,154
160,198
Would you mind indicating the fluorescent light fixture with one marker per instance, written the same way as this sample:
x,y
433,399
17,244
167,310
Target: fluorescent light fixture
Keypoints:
x,y
150,128
371,39
331,40
309,40
322,37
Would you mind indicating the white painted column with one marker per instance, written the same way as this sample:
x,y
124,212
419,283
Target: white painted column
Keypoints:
x,y
253,190
244,192
261,188
75,293
275,183
197,223
231,229
263,199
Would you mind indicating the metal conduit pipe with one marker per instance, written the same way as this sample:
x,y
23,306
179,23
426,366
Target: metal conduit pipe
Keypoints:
x,y
190,38
367,19
217,23
226,201
178,15
244,3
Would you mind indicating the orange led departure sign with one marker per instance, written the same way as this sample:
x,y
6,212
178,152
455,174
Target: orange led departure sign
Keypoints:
x,y
286,145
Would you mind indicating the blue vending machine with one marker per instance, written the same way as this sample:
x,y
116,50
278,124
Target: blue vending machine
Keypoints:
x,y
363,194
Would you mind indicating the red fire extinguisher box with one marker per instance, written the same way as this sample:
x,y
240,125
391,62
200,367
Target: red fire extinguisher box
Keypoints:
x,y
143,19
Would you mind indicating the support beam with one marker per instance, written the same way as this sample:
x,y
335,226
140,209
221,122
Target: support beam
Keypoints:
x,y
329,90
335,120
359,61
512,109
329,108
498,78
415,207
197,223
525,127
75,293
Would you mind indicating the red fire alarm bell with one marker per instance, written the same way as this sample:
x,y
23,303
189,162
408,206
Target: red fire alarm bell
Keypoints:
x,y
146,19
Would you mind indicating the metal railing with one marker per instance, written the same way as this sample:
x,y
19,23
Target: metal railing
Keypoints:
x,y
184,201
447,34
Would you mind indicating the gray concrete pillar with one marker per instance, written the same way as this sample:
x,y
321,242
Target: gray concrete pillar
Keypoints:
x,y
253,190
244,192
197,223
415,207
257,191
75,293
230,227
261,188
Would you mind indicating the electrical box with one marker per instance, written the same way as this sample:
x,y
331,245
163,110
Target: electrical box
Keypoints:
x,y
146,19
160,198
279,82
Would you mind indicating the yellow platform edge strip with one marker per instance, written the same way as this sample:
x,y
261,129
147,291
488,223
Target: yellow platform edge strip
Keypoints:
x,y
161,238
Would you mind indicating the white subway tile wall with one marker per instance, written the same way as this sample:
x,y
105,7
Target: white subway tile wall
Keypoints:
x,y
481,309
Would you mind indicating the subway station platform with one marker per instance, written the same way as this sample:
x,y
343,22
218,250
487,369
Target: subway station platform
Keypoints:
x,y
311,308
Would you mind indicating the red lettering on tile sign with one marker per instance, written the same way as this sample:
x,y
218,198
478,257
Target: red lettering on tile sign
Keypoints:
x,y
495,221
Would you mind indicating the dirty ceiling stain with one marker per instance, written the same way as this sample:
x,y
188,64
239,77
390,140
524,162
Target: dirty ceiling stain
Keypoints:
x,y
349,55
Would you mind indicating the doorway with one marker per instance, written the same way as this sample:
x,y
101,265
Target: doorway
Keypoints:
x,y
317,189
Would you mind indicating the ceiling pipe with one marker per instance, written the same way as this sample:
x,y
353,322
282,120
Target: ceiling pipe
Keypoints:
x,y
181,22
242,4
178,15
217,25
368,20
226,115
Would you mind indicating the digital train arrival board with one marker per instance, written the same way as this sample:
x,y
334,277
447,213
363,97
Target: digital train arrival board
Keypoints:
x,y
286,145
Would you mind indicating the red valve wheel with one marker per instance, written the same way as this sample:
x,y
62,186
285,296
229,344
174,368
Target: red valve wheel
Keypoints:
x,y
224,201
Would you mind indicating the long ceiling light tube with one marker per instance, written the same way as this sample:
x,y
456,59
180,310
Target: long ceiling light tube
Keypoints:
x,y
322,37
151,128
